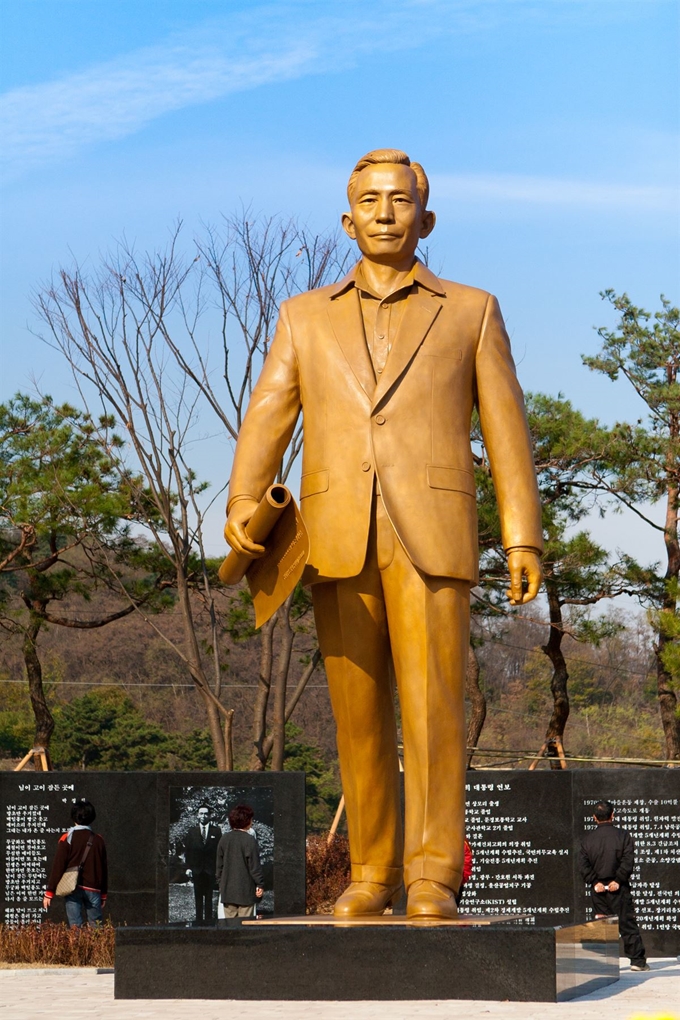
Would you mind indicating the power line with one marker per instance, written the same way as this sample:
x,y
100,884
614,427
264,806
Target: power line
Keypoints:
x,y
532,756
125,683
575,658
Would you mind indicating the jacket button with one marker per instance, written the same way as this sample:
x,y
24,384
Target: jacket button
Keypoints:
x,y
380,420
365,466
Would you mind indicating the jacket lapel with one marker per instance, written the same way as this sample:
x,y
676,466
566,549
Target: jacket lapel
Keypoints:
x,y
420,312
344,313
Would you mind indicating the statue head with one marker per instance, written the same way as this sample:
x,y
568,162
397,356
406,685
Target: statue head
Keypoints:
x,y
388,206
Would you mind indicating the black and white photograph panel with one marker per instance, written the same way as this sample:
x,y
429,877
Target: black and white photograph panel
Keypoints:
x,y
200,816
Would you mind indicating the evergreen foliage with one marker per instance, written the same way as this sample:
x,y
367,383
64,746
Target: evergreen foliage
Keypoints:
x,y
323,788
64,531
104,730
644,349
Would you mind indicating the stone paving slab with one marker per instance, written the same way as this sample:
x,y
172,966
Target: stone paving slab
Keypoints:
x,y
84,994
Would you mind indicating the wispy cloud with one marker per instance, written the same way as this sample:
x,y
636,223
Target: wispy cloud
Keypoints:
x,y
111,100
265,45
259,46
513,189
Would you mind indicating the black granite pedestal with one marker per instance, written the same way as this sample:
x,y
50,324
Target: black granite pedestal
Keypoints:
x,y
305,959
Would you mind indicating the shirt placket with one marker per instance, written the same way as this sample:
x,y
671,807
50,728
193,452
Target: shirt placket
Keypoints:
x,y
381,336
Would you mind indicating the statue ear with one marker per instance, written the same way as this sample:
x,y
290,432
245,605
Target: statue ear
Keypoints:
x,y
348,226
429,220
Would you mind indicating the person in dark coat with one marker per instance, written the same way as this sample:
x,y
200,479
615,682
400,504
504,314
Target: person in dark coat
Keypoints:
x,y
90,893
239,872
606,861
200,850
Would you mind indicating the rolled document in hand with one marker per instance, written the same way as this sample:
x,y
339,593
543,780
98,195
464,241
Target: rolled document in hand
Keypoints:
x,y
258,529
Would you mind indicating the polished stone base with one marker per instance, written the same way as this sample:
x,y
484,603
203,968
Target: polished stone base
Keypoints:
x,y
308,960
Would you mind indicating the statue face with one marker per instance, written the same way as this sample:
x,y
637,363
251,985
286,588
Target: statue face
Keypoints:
x,y
386,219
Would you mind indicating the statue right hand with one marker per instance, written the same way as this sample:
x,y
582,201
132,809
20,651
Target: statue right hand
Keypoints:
x,y
235,528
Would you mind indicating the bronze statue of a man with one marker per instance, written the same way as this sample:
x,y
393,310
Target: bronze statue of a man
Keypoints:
x,y
387,366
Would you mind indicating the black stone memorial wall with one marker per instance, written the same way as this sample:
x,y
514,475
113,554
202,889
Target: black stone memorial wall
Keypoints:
x,y
519,826
524,828
143,817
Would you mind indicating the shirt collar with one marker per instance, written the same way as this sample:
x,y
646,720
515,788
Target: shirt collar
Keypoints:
x,y
420,273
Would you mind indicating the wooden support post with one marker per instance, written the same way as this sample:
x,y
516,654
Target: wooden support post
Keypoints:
x,y
555,742
560,752
538,757
336,821
40,757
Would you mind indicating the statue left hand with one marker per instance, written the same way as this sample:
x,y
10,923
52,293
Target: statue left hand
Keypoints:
x,y
523,563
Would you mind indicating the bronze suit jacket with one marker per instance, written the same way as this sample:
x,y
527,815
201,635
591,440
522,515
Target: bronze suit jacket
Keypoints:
x,y
411,428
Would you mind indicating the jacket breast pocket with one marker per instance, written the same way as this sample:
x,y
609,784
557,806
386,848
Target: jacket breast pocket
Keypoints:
x,y
442,348
455,479
314,482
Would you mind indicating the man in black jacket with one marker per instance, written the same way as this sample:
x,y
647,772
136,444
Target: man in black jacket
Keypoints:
x,y
200,852
606,862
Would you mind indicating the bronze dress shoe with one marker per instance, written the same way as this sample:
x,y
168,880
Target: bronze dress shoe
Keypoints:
x,y
431,900
365,899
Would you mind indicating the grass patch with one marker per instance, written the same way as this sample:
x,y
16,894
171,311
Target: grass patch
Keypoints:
x,y
328,872
57,945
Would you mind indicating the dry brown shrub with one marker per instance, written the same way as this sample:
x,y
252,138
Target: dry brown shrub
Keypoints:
x,y
328,872
58,944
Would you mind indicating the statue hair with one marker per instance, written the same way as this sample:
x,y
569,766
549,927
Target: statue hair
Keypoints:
x,y
391,156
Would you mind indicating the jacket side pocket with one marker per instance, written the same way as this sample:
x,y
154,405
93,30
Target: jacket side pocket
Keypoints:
x,y
455,479
314,482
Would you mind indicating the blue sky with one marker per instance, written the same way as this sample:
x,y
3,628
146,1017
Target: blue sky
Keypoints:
x,y
549,131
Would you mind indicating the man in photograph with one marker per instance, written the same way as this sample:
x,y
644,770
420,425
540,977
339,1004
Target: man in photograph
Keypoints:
x,y
200,853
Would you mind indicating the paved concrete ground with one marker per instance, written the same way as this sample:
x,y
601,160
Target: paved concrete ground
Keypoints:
x,y
83,994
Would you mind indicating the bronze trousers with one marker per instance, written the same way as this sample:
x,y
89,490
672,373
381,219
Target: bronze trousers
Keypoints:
x,y
393,612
